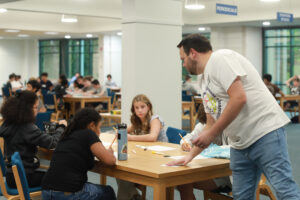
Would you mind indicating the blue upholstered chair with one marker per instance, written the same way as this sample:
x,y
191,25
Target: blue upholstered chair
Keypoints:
x,y
21,181
173,135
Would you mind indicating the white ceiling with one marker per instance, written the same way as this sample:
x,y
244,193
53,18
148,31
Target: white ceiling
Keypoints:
x,y
34,17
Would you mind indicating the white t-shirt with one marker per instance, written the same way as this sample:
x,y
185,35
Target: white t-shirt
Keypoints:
x,y
260,115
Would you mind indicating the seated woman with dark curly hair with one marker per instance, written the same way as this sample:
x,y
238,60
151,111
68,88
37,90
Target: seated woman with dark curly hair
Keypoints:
x,y
22,135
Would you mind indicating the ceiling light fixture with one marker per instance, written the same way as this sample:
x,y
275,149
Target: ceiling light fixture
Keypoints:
x,y
12,31
266,23
3,10
69,19
23,35
269,0
193,5
119,33
89,35
201,29
67,36
51,33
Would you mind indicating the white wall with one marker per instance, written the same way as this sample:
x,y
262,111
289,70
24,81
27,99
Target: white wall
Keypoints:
x,y
19,57
244,40
112,58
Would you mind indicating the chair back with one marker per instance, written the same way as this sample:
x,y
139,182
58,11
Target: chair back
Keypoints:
x,y
111,94
2,163
41,118
20,176
49,101
183,92
187,97
5,91
173,135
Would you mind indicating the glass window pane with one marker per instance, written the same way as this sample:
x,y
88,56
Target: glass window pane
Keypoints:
x,y
279,41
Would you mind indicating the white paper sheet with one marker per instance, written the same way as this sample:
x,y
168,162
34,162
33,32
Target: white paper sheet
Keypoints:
x,y
160,148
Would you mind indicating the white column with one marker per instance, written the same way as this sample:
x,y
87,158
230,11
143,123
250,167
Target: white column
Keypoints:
x,y
150,58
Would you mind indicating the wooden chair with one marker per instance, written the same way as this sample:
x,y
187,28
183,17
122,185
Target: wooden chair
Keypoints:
x,y
215,196
21,180
264,189
189,108
63,113
112,94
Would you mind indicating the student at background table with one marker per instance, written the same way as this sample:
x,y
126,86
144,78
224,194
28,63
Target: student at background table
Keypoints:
x,y
45,83
267,78
110,83
22,135
222,184
145,127
34,86
74,156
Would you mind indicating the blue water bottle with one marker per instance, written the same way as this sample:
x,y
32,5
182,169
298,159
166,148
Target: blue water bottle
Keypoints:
x,y
122,141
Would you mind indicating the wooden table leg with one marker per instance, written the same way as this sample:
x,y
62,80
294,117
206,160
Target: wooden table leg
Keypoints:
x,y
82,104
159,192
170,193
102,179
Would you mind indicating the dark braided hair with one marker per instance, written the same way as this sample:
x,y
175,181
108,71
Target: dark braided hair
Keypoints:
x,y
81,120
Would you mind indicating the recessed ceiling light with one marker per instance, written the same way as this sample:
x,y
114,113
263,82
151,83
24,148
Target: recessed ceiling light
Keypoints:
x,y
51,33
69,19
12,31
119,33
67,36
23,35
266,23
89,35
3,10
270,0
193,5
201,28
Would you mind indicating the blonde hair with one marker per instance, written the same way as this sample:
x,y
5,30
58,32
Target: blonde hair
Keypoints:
x,y
139,127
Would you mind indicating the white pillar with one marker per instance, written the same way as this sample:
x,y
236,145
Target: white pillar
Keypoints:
x,y
150,58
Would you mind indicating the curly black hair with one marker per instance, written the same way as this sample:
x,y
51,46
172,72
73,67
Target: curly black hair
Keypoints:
x,y
19,109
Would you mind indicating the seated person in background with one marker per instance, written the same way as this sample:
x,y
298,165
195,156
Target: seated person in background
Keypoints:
x,y
88,88
22,135
267,78
145,127
11,79
45,83
76,86
16,84
188,86
74,156
99,90
295,90
110,83
60,91
291,79
34,86
215,185
73,79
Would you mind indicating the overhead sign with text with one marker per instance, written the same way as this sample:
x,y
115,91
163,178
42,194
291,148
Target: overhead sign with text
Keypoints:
x,y
225,9
285,17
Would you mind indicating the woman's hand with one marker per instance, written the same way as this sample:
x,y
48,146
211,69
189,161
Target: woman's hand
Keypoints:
x,y
64,122
186,146
183,161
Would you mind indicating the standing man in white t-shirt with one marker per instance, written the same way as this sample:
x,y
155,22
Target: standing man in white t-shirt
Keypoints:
x,y
238,104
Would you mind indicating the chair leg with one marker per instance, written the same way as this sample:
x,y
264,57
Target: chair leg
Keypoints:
x,y
215,196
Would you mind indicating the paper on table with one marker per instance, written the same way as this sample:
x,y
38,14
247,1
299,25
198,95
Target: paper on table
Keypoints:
x,y
164,165
160,148
196,158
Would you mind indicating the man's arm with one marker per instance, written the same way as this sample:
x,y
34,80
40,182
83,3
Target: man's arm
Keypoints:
x,y
237,99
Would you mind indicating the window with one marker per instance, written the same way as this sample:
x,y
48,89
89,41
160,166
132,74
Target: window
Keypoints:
x,y
67,57
281,54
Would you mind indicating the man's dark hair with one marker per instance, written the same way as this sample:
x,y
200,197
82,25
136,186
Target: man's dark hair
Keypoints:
x,y
65,83
19,109
268,77
196,41
34,84
108,76
12,76
62,76
44,74
95,82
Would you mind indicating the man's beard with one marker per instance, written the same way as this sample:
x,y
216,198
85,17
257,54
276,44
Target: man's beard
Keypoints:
x,y
193,67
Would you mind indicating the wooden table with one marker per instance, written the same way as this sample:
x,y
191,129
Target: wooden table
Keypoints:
x,y
109,117
290,98
145,168
86,99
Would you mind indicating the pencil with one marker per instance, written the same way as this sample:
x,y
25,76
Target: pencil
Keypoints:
x,y
115,129
183,139
113,141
